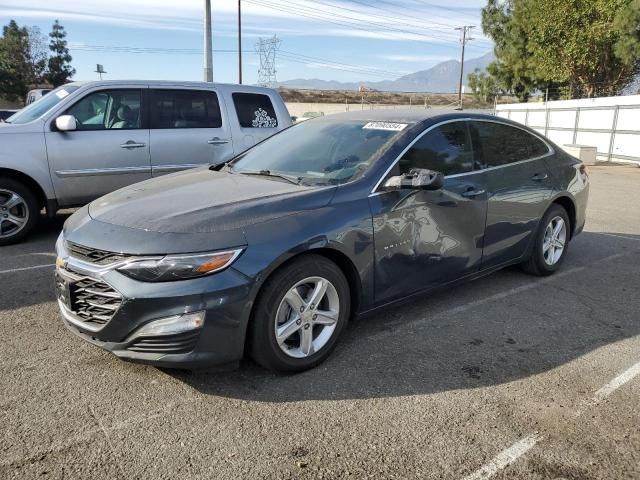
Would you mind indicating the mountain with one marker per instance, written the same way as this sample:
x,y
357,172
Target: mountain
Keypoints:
x,y
441,78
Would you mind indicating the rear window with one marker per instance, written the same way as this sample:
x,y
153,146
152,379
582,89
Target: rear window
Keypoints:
x,y
255,110
185,109
497,144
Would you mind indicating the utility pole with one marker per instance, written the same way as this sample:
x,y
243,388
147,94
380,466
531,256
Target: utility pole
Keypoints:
x,y
208,54
239,42
267,49
464,29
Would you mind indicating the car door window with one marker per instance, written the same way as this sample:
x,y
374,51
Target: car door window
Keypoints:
x,y
108,109
185,109
254,110
497,144
445,149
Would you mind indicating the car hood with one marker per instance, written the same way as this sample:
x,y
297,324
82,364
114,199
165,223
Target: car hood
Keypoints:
x,y
205,201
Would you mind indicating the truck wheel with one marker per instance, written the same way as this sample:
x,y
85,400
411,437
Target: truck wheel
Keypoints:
x,y
19,211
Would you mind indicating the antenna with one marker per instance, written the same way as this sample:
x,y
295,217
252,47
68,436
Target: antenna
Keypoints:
x,y
267,49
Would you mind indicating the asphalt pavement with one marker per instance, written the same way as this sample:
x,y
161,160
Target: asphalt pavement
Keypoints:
x,y
510,376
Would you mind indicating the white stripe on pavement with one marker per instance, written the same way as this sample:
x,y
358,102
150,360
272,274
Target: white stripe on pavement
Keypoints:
x,y
11,270
505,458
617,382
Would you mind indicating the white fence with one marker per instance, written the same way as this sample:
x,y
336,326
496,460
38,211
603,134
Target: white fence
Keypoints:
x,y
610,124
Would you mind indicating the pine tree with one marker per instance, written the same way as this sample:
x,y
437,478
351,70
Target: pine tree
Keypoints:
x,y
59,69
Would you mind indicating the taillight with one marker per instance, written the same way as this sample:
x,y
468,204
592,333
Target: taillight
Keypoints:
x,y
583,169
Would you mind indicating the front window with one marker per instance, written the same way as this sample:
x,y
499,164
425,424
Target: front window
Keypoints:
x,y
41,106
321,151
108,109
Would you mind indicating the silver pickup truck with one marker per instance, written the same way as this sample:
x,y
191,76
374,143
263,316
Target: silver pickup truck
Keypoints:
x,y
84,140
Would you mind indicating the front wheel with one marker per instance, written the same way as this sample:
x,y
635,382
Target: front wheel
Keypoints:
x,y
19,211
300,315
550,243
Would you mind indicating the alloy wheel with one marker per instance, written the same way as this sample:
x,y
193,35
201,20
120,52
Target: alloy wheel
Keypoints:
x,y
553,243
307,317
14,213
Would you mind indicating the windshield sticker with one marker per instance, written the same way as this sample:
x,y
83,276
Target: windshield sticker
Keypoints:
x,y
394,127
61,94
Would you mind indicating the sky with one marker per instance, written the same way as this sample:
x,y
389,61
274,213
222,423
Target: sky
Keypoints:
x,y
345,40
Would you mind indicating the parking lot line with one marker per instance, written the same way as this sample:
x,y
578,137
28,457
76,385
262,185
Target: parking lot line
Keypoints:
x,y
12,270
617,382
505,458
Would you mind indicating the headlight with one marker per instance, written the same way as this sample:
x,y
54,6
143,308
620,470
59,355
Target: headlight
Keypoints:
x,y
179,267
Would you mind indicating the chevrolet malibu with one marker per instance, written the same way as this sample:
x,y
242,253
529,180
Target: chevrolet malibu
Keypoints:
x,y
271,253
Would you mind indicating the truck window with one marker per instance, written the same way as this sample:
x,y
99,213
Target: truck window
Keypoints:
x,y
185,109
107,110
254,110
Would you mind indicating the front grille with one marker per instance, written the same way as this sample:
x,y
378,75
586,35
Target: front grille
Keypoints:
x,y
91,300
178,343
94,255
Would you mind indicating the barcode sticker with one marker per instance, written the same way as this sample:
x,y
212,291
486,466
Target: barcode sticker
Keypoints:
x,y
395,127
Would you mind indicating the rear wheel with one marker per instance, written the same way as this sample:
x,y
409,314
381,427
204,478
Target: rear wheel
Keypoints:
x,y
550,243
300,315
19,211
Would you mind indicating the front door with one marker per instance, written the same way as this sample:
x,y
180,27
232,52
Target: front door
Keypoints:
x,y
428,238
188,129
518,186
108,150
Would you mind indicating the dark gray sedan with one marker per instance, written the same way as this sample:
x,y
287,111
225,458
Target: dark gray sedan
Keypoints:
x,y
270,254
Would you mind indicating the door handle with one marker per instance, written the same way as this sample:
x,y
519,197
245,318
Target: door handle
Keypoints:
x,y
473,193
217,141
539,177
132,144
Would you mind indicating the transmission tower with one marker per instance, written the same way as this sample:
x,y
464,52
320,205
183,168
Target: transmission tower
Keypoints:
x,y
267,49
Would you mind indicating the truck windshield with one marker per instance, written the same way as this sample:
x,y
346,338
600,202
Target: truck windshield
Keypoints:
x,y
41,106
320,151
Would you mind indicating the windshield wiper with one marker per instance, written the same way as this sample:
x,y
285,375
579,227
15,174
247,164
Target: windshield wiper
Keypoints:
x,y
268,173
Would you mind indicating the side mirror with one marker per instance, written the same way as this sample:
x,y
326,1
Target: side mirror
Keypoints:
x,y
417,179
66,123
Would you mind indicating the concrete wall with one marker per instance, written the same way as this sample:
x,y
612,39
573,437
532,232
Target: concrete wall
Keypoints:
x,y
298,109
611,124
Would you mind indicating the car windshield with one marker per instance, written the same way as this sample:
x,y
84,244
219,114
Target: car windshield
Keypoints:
x,y
320,151
41,106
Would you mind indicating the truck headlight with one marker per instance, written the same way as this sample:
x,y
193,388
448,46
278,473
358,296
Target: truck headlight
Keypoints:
x,y
179,267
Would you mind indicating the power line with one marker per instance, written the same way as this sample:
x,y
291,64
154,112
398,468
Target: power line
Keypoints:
x,y
309,12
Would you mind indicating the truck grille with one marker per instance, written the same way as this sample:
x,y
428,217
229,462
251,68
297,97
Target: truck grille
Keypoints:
x,y
91,300
94,255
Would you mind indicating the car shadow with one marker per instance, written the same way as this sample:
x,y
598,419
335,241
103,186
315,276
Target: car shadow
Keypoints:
x,y
495,330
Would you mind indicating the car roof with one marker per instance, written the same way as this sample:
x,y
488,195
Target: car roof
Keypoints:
x,y
172,83
409,115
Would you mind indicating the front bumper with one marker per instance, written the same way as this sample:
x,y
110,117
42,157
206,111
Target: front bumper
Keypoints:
x,y
224,297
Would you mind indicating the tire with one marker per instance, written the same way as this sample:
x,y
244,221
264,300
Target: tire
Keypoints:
x,y
24,206
295,352
546,256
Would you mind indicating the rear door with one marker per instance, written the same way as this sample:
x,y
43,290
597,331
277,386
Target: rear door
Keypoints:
x,y
188,129
518,184
428,238
108,150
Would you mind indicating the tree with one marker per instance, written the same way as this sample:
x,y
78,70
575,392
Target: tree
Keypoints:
x,y
59,70
38,54
587,47
483,86
15,62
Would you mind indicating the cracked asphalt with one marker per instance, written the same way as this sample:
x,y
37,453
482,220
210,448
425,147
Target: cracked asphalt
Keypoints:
x,y
436,388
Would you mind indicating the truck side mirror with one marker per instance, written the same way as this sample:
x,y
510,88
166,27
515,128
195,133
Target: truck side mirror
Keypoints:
x,y
66,123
